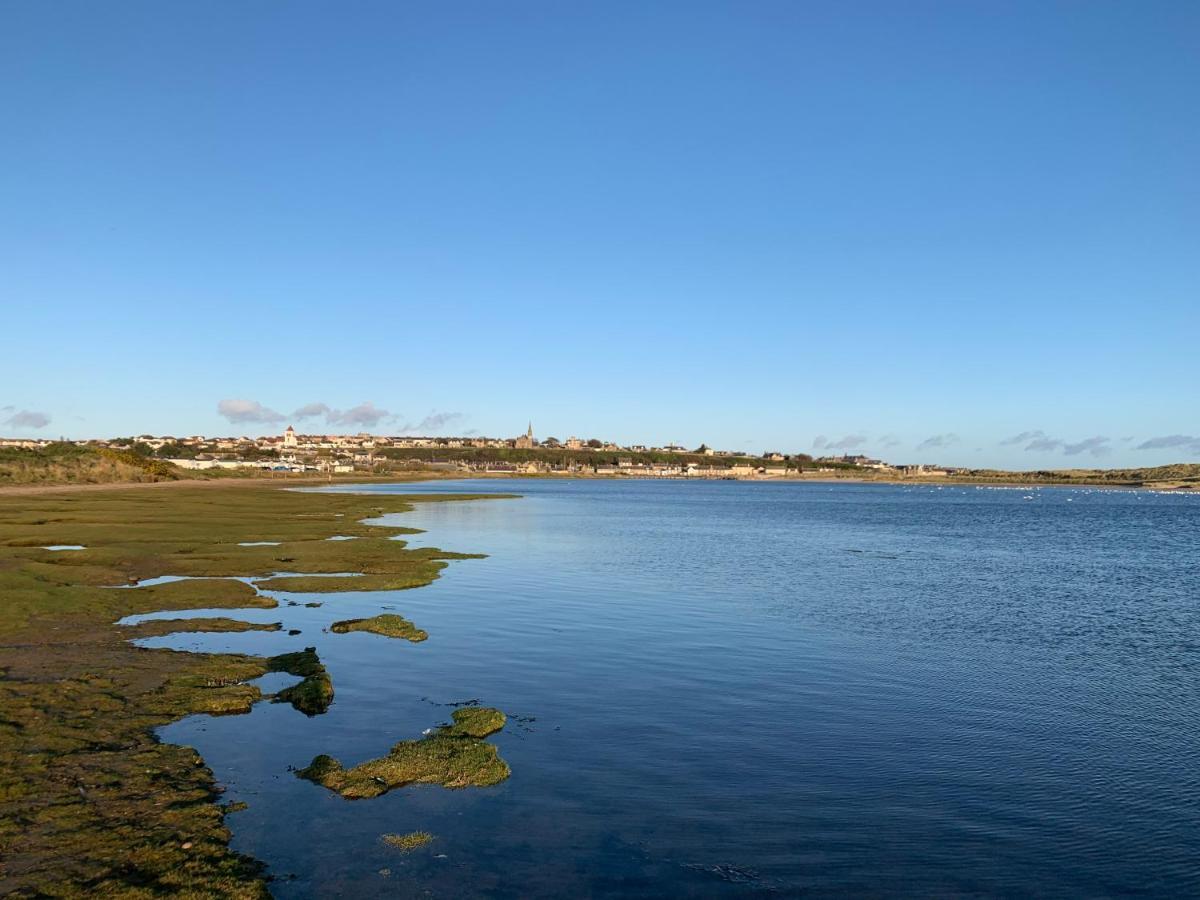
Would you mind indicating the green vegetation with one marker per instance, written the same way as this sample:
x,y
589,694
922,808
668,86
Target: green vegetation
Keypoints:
x,y
159,627
454,756
311,696
1175,476
562,457
64,462
406,843
475,722
91,803
388,624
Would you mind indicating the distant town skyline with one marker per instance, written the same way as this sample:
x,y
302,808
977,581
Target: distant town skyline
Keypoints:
x,y
959,232
240,417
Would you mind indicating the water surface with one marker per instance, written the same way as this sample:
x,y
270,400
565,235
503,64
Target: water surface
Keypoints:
x,y
722,688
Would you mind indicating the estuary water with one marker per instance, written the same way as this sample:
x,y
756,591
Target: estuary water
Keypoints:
x,y
752,689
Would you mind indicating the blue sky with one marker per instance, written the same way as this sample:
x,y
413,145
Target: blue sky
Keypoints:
x,y
957,232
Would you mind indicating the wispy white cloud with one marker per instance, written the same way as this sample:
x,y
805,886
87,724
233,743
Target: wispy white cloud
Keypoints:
x,y
1188,442
311,410
938,441
238,412
1095,446
435,421
365,415
849,442
1023,437
27,418
1037,441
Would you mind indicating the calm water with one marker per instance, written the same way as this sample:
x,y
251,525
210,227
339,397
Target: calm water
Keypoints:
x,y
730,689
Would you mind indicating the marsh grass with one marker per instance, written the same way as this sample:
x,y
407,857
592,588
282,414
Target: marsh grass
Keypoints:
x,y
406,843
91,803
160,627
387,624
453,756
314,694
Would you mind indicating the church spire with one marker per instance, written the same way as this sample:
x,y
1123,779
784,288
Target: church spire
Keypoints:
x,y
529,433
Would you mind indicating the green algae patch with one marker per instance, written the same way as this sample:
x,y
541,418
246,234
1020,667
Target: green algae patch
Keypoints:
x,y
160,627
453,756
314,694
387,624
406,843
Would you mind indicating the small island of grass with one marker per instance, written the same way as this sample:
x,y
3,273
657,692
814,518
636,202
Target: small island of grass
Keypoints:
x,y
311,696
406,843
388,625
454,756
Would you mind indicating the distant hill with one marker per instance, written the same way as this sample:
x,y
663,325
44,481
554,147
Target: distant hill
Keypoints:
x,y
1174,475
66,463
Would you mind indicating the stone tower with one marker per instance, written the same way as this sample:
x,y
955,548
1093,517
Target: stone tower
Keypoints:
x,y
525,441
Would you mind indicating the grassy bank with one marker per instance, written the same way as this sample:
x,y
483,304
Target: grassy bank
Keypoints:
x,y
1174,476
1178,476
90,802
66,463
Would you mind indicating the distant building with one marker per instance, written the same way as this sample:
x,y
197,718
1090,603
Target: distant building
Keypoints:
x,y
525,441
289,438
924,471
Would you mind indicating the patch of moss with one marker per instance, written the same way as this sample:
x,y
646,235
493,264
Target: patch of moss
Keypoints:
x,y
388,625
406,843
314,694
454,756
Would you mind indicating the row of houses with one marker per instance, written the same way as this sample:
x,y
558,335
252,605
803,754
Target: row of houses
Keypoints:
x,y
627,469
266,465
291,441
293,452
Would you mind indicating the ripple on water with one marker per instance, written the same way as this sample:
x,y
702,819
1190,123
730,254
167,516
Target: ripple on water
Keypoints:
x,y
725,698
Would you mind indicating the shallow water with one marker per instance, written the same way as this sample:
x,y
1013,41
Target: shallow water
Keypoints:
x,y
724,688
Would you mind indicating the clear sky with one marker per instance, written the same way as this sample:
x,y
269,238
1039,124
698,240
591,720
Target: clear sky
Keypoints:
x,y
955,232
